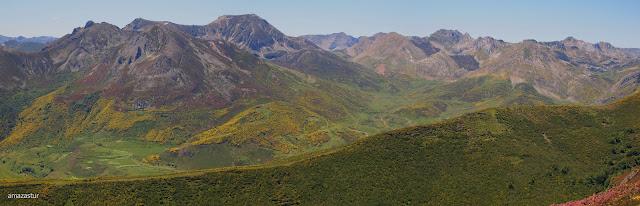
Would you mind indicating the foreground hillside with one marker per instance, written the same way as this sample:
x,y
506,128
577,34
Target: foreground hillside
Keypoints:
x,y
519,156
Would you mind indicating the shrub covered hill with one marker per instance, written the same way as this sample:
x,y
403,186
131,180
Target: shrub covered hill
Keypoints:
x,y
524,155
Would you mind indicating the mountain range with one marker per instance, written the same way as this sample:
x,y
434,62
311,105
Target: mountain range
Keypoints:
x,y
570,69
186,90
26,44
157,98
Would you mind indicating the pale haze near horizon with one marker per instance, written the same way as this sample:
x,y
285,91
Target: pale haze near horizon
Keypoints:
x,y
617,22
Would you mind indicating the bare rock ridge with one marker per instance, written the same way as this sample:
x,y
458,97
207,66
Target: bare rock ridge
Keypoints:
x,y
444,55
256,35
570,69
247,31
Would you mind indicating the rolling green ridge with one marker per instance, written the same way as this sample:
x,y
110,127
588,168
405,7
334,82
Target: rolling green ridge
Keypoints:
x,y
523,155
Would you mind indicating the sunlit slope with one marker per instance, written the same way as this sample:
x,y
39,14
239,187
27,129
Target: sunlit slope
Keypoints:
x,y
522,156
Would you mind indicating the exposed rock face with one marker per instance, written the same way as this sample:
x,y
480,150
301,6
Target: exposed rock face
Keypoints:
x,y
533,63
162,63
247,31
256,35
466,62
569,70
19,69
331,42
600,56
449,39
387,45
411,56
152,62
565,70
150,56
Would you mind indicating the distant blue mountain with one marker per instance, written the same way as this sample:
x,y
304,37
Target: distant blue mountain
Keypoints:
x,y
22,39
26,44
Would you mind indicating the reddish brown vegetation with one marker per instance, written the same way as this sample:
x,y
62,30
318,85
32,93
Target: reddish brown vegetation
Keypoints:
x,y
624,193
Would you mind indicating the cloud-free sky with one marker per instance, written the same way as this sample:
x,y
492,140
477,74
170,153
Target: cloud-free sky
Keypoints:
x,y
616,21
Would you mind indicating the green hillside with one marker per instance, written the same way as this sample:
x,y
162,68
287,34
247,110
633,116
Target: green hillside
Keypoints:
x,y
525,155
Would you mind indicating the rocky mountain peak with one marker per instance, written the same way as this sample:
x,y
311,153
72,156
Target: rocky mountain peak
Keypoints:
x,y
449,37
137,24
489,44
570,39
448,33
140,24
249,22
242,18
89,24
254,33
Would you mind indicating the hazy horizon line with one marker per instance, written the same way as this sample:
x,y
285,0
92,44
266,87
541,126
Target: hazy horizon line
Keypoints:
x,y
329,33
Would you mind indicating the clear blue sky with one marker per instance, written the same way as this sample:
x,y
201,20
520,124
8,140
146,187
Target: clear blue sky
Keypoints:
x,y
617,22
